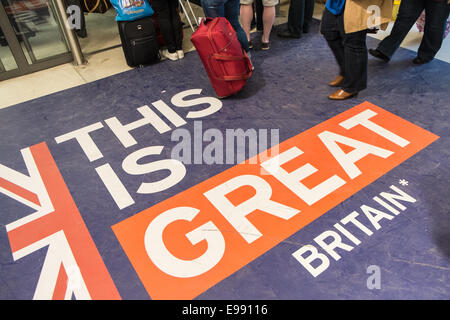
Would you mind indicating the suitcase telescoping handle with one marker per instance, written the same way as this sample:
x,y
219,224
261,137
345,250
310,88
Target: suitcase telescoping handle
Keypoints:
x,y
221,57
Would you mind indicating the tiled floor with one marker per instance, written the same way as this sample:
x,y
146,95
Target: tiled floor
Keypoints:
x,y
110,62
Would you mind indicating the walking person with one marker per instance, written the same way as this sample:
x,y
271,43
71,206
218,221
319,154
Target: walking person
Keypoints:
x,y
268,18
436,15
345,27
166,11
299,18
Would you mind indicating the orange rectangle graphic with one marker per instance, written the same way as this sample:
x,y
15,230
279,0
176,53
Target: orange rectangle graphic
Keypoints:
x,y
188,243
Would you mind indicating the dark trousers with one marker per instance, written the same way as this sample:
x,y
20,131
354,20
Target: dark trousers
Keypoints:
x,y
169,23
300,16
349,49
436,17
230,9
259,9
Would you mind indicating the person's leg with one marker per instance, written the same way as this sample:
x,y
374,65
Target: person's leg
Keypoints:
x,y
295,17
436,15
356,61
176,24
408,14
259,8
231,12
246,12
177,27
162,13
308,15
253,24
329,29
213,8
268,21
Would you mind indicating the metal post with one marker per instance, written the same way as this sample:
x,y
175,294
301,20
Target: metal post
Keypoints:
x,y
187,15
70,33
192,11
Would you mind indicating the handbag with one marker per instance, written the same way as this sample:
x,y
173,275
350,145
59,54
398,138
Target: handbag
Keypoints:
x,y
96,6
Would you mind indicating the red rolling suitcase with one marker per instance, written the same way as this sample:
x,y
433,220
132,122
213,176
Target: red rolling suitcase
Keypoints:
x,y
226,63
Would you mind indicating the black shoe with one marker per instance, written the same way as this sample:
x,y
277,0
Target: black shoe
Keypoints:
x,y
378,54
265,45
305,29
287,34
418,60
81,33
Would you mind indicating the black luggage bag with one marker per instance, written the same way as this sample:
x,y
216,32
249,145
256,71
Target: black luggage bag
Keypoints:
x,y
139,41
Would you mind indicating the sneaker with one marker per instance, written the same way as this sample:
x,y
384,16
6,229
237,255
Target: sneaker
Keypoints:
x,y
180,54
171,56
265,45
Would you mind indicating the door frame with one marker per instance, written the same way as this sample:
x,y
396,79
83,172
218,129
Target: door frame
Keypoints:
x,y
23,67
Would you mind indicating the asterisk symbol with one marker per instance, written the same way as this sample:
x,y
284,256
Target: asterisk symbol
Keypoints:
x,y
403,182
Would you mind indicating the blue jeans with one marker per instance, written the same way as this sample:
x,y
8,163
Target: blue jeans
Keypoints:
x,y
229,9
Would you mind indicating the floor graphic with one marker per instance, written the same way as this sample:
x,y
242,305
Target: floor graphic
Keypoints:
x,y
279,204
145,186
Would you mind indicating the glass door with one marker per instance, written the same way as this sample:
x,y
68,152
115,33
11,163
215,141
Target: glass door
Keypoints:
x,y
31,38
7,61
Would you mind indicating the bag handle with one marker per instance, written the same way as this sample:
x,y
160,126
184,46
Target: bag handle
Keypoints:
x,y
93,9
95,6
242,76
216,56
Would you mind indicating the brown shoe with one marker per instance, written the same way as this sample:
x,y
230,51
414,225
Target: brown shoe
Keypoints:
x,y
341,95
336,82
